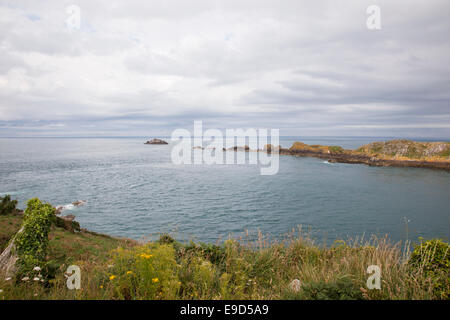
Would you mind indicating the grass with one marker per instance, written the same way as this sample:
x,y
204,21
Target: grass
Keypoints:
x,y
408,150
9,225
400,150
300,146
114,268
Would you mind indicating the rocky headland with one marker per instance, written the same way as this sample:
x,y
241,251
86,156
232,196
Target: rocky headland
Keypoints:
x,y
392,153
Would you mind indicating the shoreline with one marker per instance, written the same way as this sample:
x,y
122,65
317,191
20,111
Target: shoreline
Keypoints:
x,y
336,154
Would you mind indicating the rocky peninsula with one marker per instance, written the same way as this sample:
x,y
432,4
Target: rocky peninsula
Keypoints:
x,y
392,153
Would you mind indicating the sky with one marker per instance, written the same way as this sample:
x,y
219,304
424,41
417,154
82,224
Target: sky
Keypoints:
x,y
146,68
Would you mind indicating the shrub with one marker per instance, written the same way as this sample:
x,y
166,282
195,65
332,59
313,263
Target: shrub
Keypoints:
x,y
234,282
341,289
166,239
32,242
432,258
144,272
198,277
7,206
215,254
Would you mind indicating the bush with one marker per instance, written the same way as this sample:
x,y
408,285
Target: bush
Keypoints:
x,y
32,242
215,254
432,258
198,277
234,282
144,272
7,206
342,289
166,239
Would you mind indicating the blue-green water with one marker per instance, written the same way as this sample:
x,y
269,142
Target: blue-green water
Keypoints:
x,y
134,190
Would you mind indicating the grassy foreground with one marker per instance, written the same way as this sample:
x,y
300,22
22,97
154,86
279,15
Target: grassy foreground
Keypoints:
x,y
114,268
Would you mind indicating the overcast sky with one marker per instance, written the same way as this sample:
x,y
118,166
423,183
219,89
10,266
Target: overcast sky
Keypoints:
x,y
144,68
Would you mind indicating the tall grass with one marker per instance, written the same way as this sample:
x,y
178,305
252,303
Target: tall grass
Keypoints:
x,y
244,269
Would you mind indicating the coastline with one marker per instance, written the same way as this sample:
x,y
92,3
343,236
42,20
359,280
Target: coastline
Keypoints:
x,y
337,154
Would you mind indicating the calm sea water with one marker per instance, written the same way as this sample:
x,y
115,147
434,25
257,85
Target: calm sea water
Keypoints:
x,y
134,190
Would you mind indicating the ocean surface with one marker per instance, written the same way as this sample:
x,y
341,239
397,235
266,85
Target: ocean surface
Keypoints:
x,y
134,190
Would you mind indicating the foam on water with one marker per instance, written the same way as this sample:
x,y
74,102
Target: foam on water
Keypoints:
x,y
66,207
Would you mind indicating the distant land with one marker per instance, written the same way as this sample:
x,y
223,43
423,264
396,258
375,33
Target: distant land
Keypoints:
x,y
395,153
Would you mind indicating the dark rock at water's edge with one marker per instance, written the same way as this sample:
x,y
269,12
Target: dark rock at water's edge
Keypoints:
x,y
68,222
156,141
77,203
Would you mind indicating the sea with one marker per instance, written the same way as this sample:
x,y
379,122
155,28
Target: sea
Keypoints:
x,y
135,190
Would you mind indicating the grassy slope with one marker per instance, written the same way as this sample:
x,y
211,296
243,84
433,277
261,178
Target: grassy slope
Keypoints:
x,y
86,249
84,246
407,149
235,270
9,225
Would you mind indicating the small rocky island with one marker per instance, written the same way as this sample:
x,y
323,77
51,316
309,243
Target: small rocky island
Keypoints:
x,y
156,141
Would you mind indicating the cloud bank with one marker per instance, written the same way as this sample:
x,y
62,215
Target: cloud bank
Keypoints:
x,y
139,68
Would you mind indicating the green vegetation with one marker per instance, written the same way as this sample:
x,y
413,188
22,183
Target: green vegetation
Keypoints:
x,y
32,242
390,150
144,272
432,258
166,269
341,289
408,149
336,149
7,206
9,225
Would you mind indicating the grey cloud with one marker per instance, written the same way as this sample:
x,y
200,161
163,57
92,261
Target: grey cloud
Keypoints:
x,y
304,67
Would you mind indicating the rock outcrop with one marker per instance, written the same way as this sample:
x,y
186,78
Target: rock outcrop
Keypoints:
x,y
9,257
394,153
156,141
77,203
68,222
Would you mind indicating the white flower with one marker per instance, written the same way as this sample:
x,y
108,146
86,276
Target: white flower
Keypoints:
x,y
35,294
37,269
1,290
7,279
295,285
25,279
36,279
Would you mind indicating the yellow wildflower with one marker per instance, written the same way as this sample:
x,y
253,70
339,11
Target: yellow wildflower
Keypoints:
x,y
129,272
101,287
112,277
155,280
